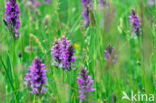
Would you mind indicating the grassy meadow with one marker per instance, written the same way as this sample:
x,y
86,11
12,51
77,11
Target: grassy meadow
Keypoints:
x,y
41,26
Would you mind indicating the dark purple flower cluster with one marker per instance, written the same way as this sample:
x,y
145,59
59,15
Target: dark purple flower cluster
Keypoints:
x,y
102,2
135,23
12,17
87,4
85,84
63,53
110,55
36,79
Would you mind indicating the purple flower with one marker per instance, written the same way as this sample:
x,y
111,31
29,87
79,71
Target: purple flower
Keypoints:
x,y
135,23
63,53
85,84
12,17
102,2
33,4
36,79
86,16
110,55
151,2
87,4
47,1
36,3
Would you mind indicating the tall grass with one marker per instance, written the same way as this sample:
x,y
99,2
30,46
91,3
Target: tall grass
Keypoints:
x,y
135,69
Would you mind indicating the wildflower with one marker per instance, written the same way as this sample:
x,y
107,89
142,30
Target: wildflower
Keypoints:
x,y
63,53
110,55
135,23
33,3
151,2
36,79
47,1
102,2
36,3
85,84
77,46
87,4
12,17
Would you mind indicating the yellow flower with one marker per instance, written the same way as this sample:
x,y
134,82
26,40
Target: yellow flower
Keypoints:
x,y
76,46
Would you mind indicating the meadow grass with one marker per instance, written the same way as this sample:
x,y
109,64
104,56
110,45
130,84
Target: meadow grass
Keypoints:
x,y
40,27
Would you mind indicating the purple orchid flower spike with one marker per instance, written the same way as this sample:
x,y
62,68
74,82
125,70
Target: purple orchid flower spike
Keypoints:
x,y
36,79
110,55
63,54
135,24
85,84
87,5
151,2
47,1
12,17
102,3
